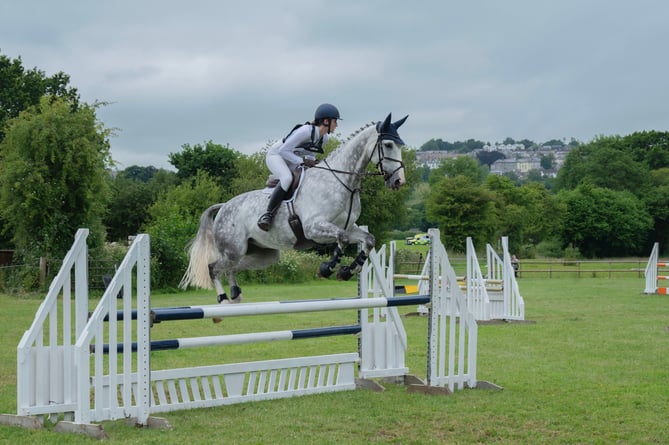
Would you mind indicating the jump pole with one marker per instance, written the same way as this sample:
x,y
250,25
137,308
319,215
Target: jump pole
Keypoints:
x,y
282,307
238,339
274,307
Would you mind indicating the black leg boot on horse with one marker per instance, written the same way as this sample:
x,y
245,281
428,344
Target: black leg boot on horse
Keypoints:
x,y
265,221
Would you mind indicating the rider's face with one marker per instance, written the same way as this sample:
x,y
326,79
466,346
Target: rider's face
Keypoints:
x,y
333,124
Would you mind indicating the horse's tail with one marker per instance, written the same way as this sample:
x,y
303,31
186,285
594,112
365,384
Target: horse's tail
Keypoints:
x,y
201,252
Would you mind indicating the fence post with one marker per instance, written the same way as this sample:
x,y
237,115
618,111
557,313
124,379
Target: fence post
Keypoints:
x,y
42,271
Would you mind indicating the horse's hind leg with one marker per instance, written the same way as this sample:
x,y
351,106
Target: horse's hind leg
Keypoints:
x,y
235,291
221,296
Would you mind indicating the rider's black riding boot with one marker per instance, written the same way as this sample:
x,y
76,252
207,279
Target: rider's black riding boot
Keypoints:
x,y
265,221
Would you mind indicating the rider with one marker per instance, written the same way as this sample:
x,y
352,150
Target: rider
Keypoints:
x,y
294,150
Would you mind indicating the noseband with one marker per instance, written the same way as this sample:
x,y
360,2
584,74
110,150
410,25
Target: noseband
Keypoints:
x,y
378,148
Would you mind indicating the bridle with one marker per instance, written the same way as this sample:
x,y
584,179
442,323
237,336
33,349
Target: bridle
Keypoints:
x,y
378,149
382,156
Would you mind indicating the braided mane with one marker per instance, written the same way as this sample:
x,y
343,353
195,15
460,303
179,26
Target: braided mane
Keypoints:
x,y
358,131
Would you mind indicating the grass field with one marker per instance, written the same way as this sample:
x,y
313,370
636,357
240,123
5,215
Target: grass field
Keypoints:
x,y
592,367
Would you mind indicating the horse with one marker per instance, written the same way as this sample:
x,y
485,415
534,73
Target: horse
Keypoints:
x,y
327,205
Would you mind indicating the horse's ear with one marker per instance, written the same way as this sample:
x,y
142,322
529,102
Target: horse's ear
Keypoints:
x,y
399,123
386,123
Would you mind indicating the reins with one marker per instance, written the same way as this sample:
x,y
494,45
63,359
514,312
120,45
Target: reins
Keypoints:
x,y
378,147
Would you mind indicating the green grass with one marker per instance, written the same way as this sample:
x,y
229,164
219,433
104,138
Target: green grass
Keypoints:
x,y
592,368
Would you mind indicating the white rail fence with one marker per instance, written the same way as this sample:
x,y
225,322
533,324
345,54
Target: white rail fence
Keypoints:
x,y
67,373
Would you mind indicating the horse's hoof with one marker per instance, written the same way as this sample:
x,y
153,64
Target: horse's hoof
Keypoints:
x,y
236,293
344,273
324,270
217,320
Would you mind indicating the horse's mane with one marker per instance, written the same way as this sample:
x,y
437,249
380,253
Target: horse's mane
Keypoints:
x,y
358,131
341,148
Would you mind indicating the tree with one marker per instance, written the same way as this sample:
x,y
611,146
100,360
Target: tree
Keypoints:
x,y
216,160
601,222
547,161
138,173
460,166
134,190
649,147
128,207
489,157
532,215
434,145
461,208
174,220
459,146
656,199
527,143
553,143
252,173
21,89
605,162
381,207
53,177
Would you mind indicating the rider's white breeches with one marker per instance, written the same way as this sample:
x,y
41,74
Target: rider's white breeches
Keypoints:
x,y
277,165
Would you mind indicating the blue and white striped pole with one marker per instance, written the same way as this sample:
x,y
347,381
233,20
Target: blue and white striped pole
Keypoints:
x,y
281,307
274,307
238,339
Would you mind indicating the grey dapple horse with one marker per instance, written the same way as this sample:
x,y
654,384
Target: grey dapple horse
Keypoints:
x,y
327,204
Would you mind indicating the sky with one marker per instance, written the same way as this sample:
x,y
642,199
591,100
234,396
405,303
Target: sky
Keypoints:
x,y
244,73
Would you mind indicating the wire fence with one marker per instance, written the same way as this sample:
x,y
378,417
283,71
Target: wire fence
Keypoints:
x,y
28,277
24,277
552,268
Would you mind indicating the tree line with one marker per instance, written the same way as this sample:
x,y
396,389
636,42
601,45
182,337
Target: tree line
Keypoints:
x,y
609,199
57,175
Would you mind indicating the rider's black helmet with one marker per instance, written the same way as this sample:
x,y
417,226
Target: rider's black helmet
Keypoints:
x,y
326,111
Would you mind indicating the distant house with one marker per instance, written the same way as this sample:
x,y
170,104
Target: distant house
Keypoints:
x,y
432,159
503,166
525,165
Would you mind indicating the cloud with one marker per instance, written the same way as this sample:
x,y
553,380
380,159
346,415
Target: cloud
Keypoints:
x,y
244,73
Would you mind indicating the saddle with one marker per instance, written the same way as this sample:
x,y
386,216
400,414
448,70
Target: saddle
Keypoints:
x,y
273,181
302,242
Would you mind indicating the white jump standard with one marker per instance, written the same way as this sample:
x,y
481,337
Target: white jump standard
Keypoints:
x,y
65,371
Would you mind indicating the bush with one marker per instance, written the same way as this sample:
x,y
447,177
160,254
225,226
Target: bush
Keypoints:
x,y
19,279
293,267
551,248
408,261
571,253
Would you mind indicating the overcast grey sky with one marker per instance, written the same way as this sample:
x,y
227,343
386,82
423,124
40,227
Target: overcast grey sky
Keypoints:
x,y
243,73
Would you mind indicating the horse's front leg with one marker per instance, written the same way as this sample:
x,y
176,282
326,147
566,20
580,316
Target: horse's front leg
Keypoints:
x,y
324,232
367,240
355,234
326,268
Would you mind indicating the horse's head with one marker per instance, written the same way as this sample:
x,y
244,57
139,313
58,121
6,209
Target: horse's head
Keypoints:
x,y
388,152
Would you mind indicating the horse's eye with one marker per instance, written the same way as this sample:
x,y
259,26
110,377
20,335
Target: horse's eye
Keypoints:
x,y
388,145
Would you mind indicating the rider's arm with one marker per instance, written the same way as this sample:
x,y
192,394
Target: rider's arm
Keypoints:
x,y
297,137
